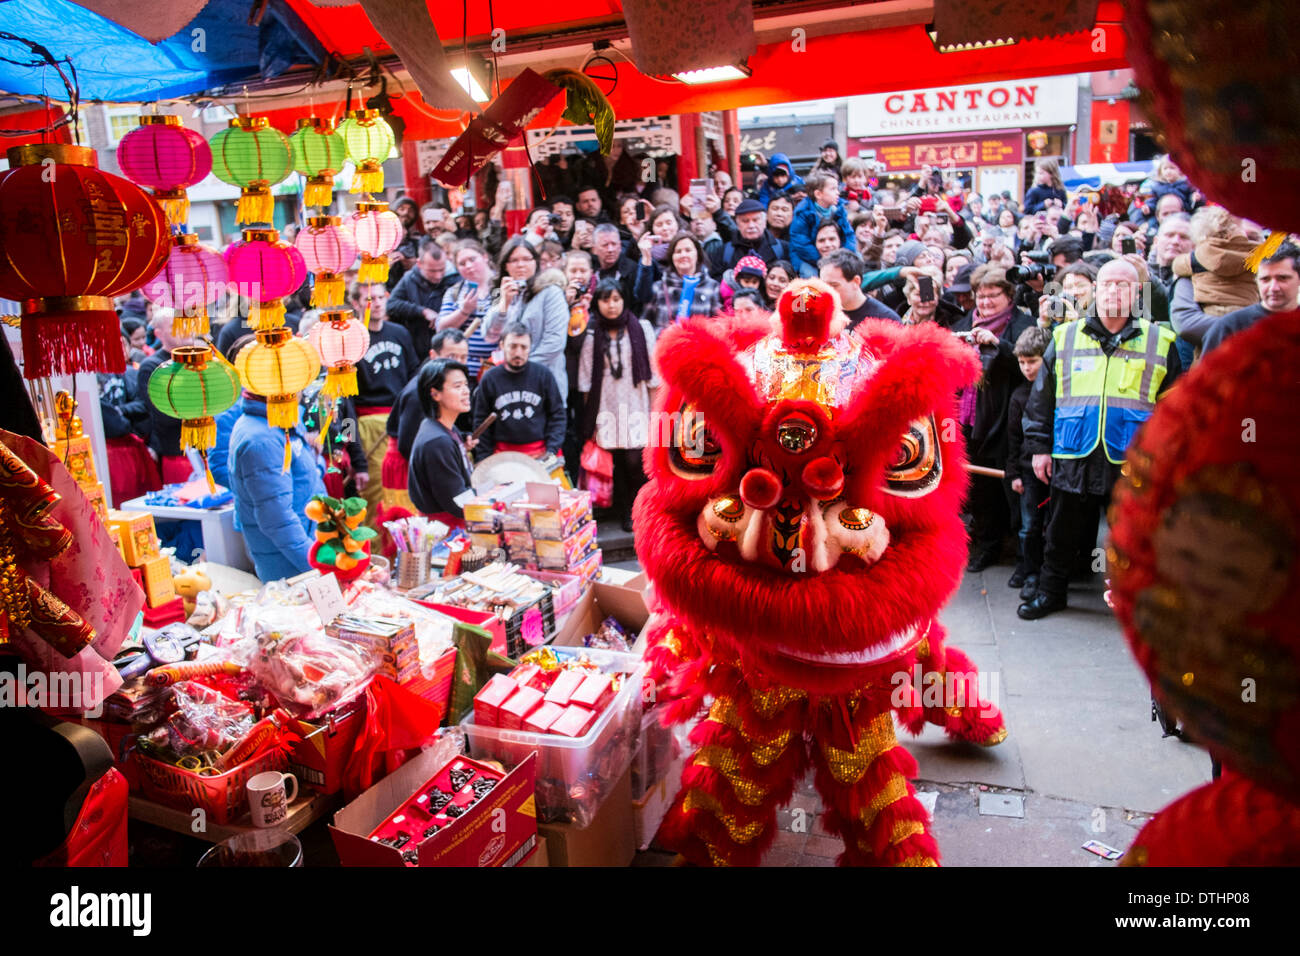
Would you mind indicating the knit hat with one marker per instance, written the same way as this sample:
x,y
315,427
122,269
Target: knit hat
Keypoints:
x,y
751,266
908,252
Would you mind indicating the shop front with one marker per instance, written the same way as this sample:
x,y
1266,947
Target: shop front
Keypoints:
x,y
987,134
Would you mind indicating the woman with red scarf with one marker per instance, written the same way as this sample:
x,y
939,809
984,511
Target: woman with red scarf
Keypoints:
x,y
992,327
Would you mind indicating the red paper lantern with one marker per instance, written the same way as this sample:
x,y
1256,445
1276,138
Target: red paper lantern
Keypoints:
x,y
168,158
264,269
378,232
1215,83
71,238
329,249
341,341
192,277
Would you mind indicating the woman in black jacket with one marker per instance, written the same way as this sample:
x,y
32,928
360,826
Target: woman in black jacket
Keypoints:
x,y
440,469
993,327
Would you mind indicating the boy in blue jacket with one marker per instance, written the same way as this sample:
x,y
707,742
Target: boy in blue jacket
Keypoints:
x,y
270,502
823,203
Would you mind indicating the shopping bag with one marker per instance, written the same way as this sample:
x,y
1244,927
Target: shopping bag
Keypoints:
x,y
597,474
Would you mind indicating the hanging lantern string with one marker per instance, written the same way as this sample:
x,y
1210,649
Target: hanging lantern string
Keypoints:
x,y
69,79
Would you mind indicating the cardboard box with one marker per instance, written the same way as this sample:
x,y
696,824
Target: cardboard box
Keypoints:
x,y
625,603
648,813
476,838
98,500
139,540
156,574
79,459
488,701
610,839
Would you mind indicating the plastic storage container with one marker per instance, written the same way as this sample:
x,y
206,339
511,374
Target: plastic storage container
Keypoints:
x,y
574,774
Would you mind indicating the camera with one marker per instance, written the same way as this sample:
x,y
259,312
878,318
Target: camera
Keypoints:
x,y
553,219
1040,256
1038,270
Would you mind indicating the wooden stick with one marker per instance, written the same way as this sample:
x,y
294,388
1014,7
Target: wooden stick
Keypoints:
x,y
987,472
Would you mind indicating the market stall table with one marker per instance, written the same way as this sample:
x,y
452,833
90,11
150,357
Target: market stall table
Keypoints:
x,y
222,544
303,812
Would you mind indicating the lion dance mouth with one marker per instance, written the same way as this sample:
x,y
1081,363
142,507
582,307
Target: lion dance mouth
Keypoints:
x,y
800,547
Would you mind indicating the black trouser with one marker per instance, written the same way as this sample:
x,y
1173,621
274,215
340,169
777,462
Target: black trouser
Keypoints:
x,y
1068,527
1033,519
628,479
991,504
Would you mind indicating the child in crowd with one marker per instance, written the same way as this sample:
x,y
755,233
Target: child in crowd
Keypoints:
x,y
1217,264
1029,349
750,273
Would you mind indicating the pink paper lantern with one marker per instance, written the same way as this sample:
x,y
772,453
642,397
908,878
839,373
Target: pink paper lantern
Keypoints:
x,y
329,249
341,341
168,158
378,232
264,269
192,277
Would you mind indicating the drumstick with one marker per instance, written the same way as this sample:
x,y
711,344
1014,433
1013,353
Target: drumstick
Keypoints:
x,y
487,423
987,472
469,329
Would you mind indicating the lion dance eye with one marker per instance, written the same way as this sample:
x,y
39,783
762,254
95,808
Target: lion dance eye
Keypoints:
x,y
916,466
695,449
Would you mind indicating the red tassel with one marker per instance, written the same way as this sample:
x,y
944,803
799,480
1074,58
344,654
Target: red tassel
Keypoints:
x,y
64,344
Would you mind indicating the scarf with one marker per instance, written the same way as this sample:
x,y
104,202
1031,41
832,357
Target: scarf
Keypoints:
x,y
997,324
687,297
631,327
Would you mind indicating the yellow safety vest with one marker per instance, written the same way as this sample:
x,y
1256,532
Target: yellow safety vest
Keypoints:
x,y
1105,397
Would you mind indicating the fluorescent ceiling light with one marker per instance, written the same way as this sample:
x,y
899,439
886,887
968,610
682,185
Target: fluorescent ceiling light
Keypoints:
x,y
462,76
714,74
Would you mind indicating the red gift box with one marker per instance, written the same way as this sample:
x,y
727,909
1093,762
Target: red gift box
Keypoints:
x,y
488,701
594,692
520,705
574,722
528,675
540,720
562,689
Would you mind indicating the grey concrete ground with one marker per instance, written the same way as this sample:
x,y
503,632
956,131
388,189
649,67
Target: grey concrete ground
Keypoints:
x,y
1082,754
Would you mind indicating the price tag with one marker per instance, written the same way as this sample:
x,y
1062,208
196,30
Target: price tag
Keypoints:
x,y
326,597
532,629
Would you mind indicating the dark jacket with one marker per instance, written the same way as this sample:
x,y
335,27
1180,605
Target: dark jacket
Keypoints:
x,y
766,193
164,431
988,440
1232,323
528,406
411,296
1038,196
870,309
767,247
387,366
624,270
439,470
808,218
1095,474
269,502
1019,462
121,409
663,296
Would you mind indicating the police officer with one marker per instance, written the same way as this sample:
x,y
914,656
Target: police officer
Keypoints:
x,y
1101,377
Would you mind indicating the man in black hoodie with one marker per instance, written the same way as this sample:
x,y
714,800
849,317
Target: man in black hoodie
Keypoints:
x,y
531,415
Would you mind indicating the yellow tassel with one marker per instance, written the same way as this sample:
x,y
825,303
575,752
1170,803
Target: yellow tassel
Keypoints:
x,y
288,452
175,204
325,424
207,470
255,203
373,269
328,290
267,315
200,433
282,411
184,324
368,178
340,382
1265,249
319,191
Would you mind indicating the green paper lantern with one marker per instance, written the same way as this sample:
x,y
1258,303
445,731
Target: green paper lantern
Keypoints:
x,y
369,140
250,154
318,152
195,386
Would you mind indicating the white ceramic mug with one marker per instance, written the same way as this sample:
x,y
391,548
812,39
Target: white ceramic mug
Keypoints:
x,y
267,798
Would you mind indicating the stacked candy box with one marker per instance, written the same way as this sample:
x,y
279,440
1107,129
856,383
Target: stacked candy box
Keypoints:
x,y
436,807
579,709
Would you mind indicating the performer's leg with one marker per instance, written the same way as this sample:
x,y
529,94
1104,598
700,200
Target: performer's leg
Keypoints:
x,y
948,695
862,775
750,756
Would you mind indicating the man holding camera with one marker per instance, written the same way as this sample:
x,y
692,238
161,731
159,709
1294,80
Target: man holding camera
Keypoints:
x,y
1100,380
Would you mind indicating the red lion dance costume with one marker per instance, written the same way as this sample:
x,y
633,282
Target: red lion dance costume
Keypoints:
x,y
1207,585
801,530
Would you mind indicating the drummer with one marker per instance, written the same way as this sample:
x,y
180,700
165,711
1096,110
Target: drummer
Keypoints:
x,y
530,414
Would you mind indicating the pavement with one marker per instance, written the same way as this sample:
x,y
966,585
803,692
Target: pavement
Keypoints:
x,y
1082,760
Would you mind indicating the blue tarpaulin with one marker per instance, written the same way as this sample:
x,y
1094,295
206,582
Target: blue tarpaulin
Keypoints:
x,y
217,48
